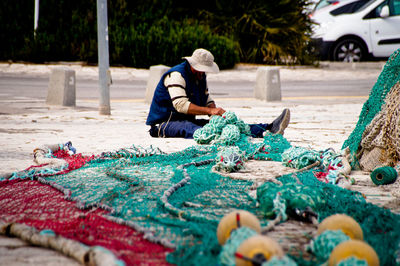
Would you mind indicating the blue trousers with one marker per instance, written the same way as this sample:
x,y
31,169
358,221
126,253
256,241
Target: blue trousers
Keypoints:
x,y
185,129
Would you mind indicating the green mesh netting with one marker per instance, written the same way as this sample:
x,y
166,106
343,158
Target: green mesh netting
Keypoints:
x,y
237,237
323,244
142,191
178,199
226,130
389,76
353,261
229,159
294,195
373,220
284,261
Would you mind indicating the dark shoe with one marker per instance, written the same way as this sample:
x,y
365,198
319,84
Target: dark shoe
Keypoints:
x,y
154,131
281,122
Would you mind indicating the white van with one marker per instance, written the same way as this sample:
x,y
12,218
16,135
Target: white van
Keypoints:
x,y
374,30
327,9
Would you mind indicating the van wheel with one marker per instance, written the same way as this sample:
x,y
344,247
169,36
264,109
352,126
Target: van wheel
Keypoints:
x,y
349,50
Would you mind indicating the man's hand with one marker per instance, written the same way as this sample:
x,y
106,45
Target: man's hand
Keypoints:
x,y
200,110
217,111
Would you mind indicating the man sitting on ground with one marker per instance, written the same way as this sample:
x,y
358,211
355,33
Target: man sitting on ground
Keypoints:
x,y
182,93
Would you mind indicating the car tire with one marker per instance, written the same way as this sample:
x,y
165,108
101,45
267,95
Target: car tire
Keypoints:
x,y
349,50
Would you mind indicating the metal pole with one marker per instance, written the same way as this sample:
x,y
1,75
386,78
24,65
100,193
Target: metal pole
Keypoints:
x,y
36,17
104,65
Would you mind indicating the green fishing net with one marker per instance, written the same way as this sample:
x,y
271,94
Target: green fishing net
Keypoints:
x,y
284,261
353,261
389,76
230,159
323,244
178,199
226,130
293,194
237,237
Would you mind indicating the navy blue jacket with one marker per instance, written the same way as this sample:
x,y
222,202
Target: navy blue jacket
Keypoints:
x,y
161,108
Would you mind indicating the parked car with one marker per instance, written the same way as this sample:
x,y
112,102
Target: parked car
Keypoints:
x,y
372,31
334,8
324,3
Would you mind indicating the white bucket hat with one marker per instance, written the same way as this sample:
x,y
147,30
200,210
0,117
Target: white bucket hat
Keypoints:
x,y
202,60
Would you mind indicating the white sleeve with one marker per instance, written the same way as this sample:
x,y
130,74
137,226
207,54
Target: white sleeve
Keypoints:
x,y
209,99
176,84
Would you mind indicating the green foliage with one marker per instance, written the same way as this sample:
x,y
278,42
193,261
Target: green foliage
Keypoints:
x,y
15,27
166,42
275,31
142,33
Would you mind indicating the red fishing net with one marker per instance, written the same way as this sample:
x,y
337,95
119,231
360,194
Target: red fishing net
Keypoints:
x,y
74,161
43,207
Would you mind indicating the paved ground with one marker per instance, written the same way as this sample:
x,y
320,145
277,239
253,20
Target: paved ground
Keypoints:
x,y
317,122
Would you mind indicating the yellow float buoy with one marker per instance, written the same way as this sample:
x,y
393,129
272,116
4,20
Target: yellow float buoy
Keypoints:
x,y
234,220
343,222
257,250
353,248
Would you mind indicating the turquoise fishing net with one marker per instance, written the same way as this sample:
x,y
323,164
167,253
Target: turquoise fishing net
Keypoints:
x,y
299,157
237,237
178,199
380,226
353,261
389,76
323,244
230,159
226,130
295,196
134,187
272,149
284,261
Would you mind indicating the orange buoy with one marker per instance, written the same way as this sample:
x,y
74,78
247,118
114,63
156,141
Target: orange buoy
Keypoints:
x,y
234,220
353,248
256,250
343,222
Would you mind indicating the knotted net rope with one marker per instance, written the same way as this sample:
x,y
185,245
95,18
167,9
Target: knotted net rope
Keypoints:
x,y
380,144
225,130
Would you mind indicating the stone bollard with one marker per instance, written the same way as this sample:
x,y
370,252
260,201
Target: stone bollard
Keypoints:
x,y
155,74
268,84
61,90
